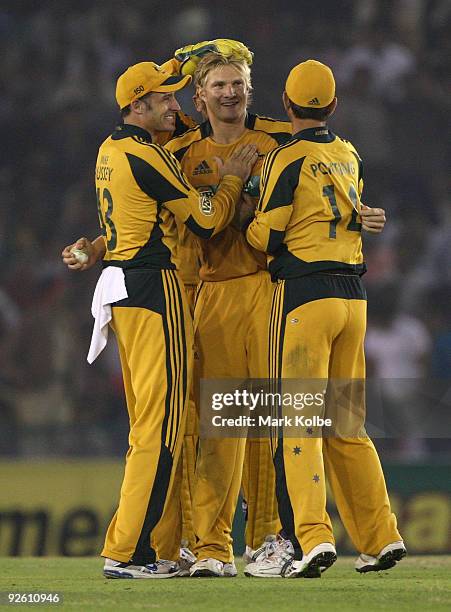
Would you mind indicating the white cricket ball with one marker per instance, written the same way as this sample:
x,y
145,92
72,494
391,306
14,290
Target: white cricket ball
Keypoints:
x,y
80,255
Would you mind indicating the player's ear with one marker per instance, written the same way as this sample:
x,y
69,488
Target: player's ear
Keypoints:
x,y
199,105
286,101
135,105
333,106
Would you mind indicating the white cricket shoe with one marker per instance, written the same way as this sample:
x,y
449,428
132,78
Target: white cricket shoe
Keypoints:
x,y
229,570
387,558
207,568
272,565
267,548
319,559
159,569
186,561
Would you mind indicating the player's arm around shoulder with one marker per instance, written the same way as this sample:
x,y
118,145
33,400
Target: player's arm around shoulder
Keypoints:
x,y
373,219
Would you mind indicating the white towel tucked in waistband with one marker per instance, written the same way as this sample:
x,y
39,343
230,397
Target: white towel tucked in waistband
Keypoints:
x,y
110,288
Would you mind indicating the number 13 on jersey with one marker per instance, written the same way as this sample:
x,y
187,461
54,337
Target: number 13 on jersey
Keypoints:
x,y
105,213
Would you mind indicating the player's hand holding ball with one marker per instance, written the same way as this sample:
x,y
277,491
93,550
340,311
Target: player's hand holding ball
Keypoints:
x,y
80,255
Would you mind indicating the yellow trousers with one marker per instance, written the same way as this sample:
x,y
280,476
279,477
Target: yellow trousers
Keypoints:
x,y
154,334
317,331
176,524
231,322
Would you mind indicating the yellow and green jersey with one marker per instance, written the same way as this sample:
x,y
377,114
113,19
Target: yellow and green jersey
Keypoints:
x,y
307,218
227,255
140,189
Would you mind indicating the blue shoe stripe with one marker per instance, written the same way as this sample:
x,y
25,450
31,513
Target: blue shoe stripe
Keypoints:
x,y
110,573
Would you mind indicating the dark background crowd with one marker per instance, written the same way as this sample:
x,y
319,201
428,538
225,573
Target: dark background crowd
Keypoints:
x,y
60,61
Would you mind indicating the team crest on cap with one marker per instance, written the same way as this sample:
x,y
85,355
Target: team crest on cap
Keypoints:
x,y
205,203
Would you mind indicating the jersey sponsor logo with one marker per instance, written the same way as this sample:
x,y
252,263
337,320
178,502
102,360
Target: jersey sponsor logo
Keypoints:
x,y
313,102
205,201
202,168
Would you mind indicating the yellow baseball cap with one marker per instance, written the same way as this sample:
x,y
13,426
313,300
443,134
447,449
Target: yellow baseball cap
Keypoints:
x,y
142,78
311,84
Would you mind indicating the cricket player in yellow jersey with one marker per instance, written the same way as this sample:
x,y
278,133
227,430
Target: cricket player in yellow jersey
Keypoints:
x,y
258,470
180,498
178,508
229,267
231,316
140,190
308,220
178,512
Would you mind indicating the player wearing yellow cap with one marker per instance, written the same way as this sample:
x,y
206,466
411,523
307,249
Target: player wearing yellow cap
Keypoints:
x,y
140,190
255,472
178,513
308,221
258,477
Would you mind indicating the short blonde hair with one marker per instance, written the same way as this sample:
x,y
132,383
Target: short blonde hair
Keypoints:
x,y
215,60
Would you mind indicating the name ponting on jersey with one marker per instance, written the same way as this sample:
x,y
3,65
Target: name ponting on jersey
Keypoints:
x,y
338,167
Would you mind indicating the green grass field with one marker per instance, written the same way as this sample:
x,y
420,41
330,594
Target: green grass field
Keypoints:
x,y
417,583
